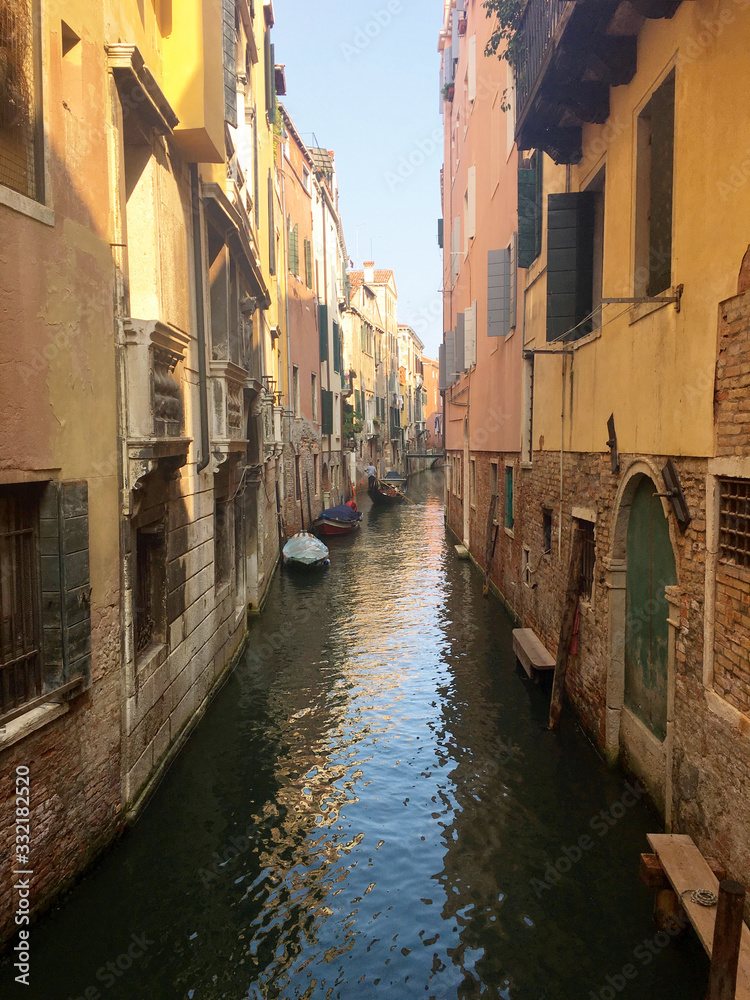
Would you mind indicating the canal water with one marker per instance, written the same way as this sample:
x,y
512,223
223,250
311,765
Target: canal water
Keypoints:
x,y
372,807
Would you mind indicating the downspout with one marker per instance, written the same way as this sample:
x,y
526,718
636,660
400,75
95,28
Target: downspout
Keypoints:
x,y
200,319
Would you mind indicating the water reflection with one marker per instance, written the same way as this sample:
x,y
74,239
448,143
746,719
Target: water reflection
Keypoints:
x,y
372,808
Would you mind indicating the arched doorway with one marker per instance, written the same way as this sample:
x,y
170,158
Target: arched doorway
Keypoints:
x,y
640,682
650,569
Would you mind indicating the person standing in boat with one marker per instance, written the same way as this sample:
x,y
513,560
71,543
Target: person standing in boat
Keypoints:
x,y
372,475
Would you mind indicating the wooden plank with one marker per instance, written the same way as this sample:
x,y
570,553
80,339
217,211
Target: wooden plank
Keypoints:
x,y
529,649
686,870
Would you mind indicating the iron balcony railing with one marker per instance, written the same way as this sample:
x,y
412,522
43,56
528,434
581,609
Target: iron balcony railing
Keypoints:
x,y
535,32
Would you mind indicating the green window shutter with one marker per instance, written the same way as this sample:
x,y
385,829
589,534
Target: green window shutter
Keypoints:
x,y
296,249
570,263
336,348
326,406
308,264
271,227
440,233
528,217
270,74
323,331
65,584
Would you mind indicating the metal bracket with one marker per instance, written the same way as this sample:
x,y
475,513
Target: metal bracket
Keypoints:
x,y
648,300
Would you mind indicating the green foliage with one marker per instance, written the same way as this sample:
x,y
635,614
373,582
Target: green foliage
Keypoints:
x,y
352,423
507,14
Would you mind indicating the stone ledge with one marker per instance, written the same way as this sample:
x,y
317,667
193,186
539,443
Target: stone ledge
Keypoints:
x,y
25,725
728,713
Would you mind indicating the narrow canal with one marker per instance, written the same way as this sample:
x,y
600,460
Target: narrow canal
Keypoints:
x,y
372,807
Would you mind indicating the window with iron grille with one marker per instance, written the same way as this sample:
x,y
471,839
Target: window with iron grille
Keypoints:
x,y
20,632
588,557
734,521
150,606
21,160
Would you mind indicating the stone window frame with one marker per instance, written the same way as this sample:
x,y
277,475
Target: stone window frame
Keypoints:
x,y
589,515
40,208
718,468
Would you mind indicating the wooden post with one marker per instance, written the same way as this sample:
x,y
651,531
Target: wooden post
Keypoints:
x,y
299,494
489,543
280,517
725,954
566,627
309,508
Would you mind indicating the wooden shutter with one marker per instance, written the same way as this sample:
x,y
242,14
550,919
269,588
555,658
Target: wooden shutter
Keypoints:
x,y
270,75
271,227
661,107
513,282
570,263
471,215
470,335
460,342
256,173
442,384
440,233
456,248
528,217
308,264
472,68
498,292
450,357
230,61
336,348
66,590
326,406
323,331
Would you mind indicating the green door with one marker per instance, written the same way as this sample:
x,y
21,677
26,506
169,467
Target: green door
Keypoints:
x,y
650,568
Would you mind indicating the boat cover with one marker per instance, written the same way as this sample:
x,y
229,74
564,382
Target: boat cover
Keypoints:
x,y
305,548
342,513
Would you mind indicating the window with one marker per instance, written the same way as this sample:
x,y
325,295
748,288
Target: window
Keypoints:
x,y
654,181
20,627
293,237
457,476
734,521
314,390
316,474
150,616
295,391
508,517
546,531
588,557
21,132
336,348
297,480
527,571
239,545
326,398
473,484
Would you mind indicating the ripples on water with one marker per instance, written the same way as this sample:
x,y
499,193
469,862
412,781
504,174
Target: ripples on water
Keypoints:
x,y
363,811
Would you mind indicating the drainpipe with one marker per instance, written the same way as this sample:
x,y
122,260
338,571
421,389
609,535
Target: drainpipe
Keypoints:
x,y
200,319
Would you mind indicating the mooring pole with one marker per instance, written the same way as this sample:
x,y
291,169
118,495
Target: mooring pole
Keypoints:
x,y
725,955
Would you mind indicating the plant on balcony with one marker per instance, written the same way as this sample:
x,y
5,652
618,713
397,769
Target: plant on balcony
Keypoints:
x,y
507,14
449,90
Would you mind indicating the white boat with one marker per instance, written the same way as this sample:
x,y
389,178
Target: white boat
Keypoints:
x,y
305,550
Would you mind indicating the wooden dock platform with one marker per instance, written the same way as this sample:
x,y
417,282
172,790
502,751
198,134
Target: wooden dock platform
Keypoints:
x,y
687,869
531,653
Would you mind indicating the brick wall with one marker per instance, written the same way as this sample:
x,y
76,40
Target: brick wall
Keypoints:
x,y
732,395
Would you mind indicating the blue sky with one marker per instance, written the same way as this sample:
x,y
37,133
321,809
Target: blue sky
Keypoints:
x,y
364,77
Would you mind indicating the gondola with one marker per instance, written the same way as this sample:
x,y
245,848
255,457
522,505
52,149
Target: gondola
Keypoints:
x,y
305,551
394,478
384,495
341,520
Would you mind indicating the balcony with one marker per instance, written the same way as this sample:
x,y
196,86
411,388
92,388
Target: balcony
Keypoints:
x,y
568,55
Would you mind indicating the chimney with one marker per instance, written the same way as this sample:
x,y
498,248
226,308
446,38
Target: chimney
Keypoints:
x,y
369,266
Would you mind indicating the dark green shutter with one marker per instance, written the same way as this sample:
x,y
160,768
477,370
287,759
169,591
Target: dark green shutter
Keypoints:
x,y
509,519
570,264
529,211
336,348
326,406
270,74
440,233
661,107
323,331
66,590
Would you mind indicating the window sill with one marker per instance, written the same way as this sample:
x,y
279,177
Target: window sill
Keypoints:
x,y
25,725
26,206
147,662
509,532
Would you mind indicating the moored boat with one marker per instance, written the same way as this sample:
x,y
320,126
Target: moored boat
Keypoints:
x,y
340,520
305,551
394,478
